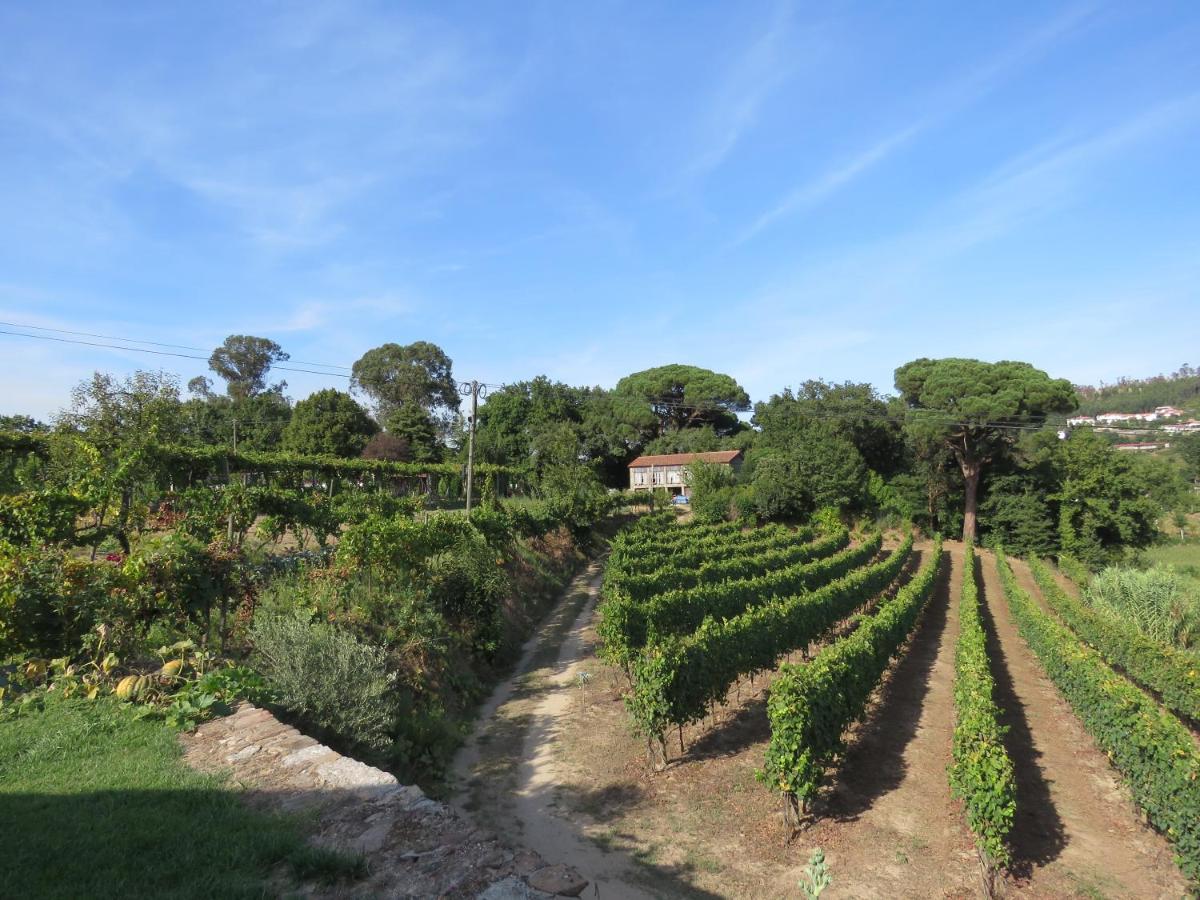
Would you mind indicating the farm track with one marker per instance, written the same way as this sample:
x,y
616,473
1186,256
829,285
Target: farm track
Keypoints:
x,y
1076,832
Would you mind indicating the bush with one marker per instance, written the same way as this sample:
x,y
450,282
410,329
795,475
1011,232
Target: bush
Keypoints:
x,y
329,678
49,601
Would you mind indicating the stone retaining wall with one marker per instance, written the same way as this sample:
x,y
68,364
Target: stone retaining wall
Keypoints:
x,y
414,846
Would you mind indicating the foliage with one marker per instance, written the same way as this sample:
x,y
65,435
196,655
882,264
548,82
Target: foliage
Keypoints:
x,y
789,550
330,679
981,773
1179,388
328,422
628,625
678,679
818,468
710,487
852,412
1018,516
39,517
417,374
1075,570
687,397
811,706
416,428
1153,751
1174,676
244,361
1157,602
816,876
388,447
974,409
1104,502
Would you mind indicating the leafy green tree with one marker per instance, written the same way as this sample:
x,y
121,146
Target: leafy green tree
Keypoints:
x,y
414,425
1105,502
102,445
976,410
22,424
818,469
416,375
328,422
687,397
244,362
1019,517
853,411
1188,449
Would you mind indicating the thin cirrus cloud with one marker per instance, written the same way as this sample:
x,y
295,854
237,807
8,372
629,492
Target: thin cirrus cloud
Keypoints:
x,y
963,92
1031,185
732,110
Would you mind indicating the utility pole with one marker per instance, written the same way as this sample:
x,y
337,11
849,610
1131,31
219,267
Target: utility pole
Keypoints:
x,y
476,390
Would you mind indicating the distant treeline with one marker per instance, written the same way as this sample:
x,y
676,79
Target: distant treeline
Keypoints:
x,y
1129,395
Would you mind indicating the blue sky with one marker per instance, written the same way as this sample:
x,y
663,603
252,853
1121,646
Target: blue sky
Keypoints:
x,y
778,191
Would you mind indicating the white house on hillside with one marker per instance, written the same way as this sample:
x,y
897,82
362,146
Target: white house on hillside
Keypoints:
x,y
669,470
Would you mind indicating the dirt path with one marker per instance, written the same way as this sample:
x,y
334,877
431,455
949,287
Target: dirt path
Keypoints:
x,y
507,770
1076,831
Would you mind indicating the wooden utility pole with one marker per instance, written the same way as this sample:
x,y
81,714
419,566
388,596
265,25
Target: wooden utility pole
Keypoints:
x,y
474,386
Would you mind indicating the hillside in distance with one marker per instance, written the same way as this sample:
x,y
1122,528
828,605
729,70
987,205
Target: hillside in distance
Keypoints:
x,y
1129,395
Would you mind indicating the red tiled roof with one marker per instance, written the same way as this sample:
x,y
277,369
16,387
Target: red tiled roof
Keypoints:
x,y
677,459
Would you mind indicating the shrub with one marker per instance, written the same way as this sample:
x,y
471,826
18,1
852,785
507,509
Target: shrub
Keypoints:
x,y
329,678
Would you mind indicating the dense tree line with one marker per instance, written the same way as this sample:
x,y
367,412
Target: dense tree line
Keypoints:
x,y
964,446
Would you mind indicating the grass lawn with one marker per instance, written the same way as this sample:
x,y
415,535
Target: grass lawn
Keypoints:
x,y
95,803
1179,555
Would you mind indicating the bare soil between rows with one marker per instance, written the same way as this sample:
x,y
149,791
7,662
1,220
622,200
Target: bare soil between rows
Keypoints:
x,y
557,768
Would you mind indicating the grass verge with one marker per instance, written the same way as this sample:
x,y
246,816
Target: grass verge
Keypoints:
x,y
95,803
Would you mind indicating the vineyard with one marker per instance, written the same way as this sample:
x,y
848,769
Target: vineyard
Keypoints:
x,y
909,707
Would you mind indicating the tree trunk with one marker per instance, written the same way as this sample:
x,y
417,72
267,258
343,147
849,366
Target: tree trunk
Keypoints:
x,y
970,472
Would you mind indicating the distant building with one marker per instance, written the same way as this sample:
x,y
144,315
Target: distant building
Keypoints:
x,y
1077,421
1168,412
1143,446
669,470
1182,427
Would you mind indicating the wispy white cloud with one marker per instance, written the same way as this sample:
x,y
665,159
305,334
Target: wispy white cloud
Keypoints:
x,y
961,93
733,108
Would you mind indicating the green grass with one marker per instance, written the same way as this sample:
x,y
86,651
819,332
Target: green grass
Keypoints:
x,y
1179,555
95,803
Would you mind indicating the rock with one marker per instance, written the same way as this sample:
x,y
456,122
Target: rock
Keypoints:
x,y
526,861
561,880
512,888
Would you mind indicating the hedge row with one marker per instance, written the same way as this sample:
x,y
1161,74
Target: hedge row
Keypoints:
x,y
810,706
677,681
982,772
1173,675
743,564
220,461
1151,748
647,562
627,625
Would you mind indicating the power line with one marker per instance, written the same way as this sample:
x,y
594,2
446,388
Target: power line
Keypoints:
x,y
113,337
61,340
